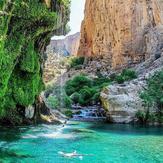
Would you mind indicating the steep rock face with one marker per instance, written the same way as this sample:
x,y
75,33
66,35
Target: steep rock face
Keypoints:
x,y
67,46
54,67
125,32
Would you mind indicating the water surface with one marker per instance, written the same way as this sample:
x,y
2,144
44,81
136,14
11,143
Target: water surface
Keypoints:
x,y
105,142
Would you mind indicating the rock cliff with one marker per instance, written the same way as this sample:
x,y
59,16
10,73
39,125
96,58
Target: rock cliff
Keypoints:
x,y
124,32
67,46
117,34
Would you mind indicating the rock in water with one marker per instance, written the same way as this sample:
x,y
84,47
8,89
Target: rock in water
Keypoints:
x,y
122,101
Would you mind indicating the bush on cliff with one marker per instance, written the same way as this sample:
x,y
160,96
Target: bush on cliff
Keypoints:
x,y
153,95
77,83
76,62
126,75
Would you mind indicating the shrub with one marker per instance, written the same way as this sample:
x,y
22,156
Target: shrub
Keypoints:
x,y
63,101
129,74
126,75
153,95
75,62
76,84
101,81
67,101
141,116
146,116
119,79
85,95
96,97
53,102
75,97
68,113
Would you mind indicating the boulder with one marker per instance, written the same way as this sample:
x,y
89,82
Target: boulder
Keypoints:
x,y
122,101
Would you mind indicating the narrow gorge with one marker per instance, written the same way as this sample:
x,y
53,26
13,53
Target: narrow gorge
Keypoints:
x,y
81,81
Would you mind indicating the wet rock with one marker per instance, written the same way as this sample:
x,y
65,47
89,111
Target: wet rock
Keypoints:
x,y
29,112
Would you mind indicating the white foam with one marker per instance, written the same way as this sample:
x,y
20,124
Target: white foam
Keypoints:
x,y
58,134
28,136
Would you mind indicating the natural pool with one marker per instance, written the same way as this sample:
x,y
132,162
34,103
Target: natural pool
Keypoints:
x,y
106,142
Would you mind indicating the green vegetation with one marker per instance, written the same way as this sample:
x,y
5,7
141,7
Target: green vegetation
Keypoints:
x,y
25,28
153,97
68,113
59,99
76,62
146,116
53,102
126,75
85,91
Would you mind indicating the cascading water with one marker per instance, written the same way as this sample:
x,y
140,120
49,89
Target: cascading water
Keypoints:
x,y
89,113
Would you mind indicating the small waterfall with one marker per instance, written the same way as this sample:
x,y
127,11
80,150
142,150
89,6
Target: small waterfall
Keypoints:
x,y
89,113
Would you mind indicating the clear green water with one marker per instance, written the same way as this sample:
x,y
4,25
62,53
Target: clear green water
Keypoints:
x,y
107,143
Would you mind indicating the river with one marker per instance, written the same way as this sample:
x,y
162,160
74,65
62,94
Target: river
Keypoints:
x,y
106,143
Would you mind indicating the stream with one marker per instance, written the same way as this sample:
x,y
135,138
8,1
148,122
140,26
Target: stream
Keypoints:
x,y
103,143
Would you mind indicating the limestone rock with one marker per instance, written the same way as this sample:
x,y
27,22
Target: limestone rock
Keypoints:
x,y
125,32
122,101
29,112
54,67
67,46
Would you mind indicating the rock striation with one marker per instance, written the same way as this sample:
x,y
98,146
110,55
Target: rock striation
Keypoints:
x,y
125,32
117,34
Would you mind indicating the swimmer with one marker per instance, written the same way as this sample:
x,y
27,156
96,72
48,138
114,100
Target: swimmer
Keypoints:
x,y
73,155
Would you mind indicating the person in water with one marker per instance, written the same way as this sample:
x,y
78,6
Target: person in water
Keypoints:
x,y
73,155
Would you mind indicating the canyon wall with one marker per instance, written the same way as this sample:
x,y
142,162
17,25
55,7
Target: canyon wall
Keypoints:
x,y
125,32
25,31
66,46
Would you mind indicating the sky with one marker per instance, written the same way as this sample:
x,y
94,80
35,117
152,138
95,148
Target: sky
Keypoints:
x,y
76,17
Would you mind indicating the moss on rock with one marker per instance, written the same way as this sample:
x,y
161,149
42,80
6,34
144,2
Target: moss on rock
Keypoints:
x,y
25,29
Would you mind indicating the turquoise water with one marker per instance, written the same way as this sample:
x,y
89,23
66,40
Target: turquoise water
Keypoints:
x,y
106,143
